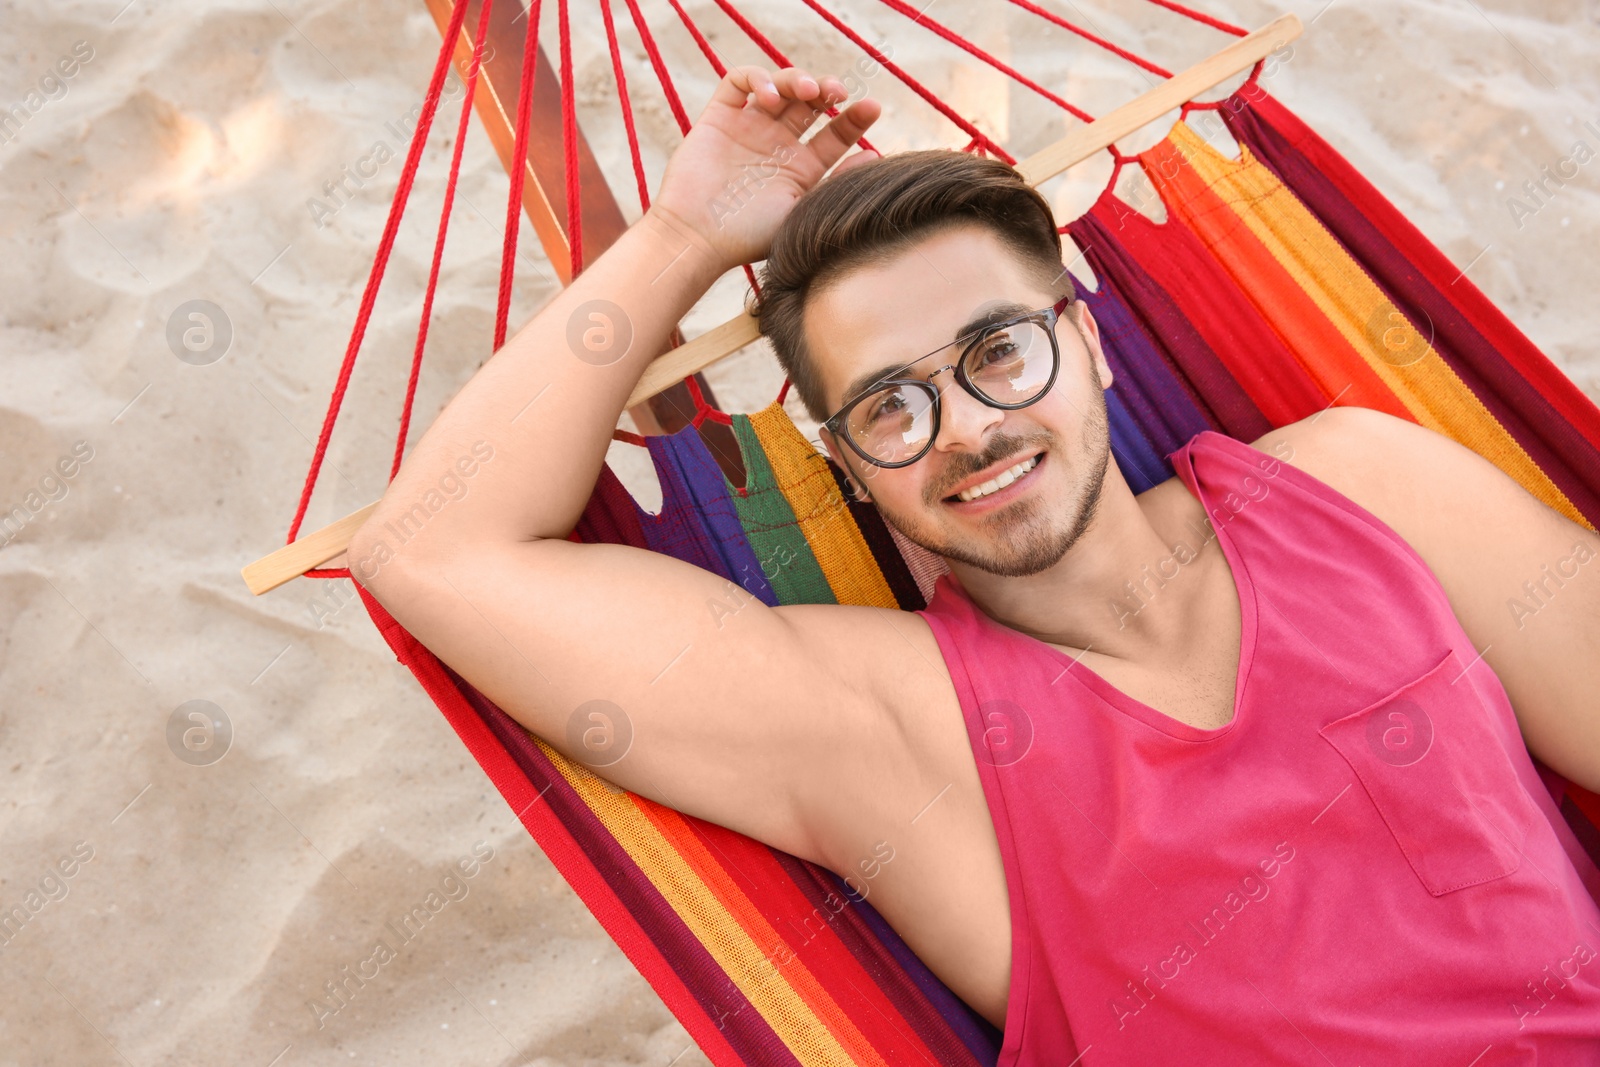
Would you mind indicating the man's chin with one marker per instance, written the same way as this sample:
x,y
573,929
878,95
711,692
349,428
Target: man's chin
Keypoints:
x,y
1012,564
1005,555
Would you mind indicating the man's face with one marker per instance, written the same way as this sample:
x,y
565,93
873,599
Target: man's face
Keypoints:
x,y
882,316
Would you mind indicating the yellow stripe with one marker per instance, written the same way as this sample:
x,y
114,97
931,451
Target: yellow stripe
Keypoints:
x,y
756,977
822,514
1411,368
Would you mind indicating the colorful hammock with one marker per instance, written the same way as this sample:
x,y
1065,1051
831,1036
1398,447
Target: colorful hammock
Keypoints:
x,y
1280,284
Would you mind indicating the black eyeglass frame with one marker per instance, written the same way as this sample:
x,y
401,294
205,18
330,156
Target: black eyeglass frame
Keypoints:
x,y
1046,317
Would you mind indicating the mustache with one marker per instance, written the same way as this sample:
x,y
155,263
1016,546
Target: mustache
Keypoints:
x,y
964,465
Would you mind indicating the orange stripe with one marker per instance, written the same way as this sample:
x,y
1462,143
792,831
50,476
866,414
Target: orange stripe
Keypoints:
x,y
1338,369
823,515
1346,299
739,956
756,871
739,905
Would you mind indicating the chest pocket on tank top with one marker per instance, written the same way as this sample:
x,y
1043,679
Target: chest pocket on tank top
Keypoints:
x,y
1436,771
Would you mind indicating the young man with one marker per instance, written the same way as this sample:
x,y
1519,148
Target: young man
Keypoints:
x,y
1147,794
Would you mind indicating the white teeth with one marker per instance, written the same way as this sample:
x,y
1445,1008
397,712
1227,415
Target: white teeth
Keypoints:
x,y
1004,479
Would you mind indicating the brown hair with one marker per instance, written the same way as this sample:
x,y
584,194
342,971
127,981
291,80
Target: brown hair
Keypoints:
x,y
874,211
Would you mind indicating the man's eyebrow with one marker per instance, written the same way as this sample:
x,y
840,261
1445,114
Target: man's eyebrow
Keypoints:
x,y
1003,310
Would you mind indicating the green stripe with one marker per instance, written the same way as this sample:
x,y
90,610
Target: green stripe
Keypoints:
x,y
780,545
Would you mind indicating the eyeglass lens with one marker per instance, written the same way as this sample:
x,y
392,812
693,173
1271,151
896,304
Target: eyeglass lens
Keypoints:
x,y
1010,366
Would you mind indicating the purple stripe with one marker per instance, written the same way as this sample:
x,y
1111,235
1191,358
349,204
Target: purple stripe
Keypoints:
x,y
1225,403
1164,408
719,998
1141,467
698,522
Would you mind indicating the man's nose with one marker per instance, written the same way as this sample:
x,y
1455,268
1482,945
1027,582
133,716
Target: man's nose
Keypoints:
x,y
964,420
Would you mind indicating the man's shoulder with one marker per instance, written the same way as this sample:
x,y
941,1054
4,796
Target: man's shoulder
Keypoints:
x,y
1472,523
1379,461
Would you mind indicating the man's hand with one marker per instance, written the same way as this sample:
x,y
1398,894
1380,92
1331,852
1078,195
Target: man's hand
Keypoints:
x,y
742,165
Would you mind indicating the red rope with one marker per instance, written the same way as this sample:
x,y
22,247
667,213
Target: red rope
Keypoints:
x,y
702,410
369,296
1189,12
627,106
1087,36
665,78
716,65
660,67
911,83
966,45
519,170
978,142
438,244
699,39
569,146
1120,160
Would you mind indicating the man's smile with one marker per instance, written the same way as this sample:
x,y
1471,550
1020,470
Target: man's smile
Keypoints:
x,y
999,489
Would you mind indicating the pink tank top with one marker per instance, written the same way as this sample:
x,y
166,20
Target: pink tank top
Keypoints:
x,y
1362,867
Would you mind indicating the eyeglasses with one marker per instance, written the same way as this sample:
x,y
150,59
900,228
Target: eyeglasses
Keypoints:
x,y
1008,364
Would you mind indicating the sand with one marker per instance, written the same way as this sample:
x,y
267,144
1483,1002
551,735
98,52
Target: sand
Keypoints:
x,y
193,912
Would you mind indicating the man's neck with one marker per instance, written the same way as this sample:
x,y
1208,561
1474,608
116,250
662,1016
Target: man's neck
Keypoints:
x,y
1129,587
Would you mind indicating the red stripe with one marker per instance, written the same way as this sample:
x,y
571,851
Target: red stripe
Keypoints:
x,y
747,911
555,840
1249,349
1314,339
813,940
1586,802
1440,272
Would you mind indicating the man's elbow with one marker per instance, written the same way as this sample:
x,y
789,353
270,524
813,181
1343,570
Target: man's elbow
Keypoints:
x,y
381,551
363,555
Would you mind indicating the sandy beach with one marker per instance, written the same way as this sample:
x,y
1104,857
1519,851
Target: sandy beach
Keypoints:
x,y
194,911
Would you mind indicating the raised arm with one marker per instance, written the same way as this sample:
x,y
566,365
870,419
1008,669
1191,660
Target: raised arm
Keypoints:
x,y
669,680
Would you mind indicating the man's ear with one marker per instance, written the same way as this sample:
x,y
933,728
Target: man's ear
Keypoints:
x,y
831,443
1089,330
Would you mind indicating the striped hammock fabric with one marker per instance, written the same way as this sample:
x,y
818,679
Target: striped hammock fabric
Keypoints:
x,y
1281,283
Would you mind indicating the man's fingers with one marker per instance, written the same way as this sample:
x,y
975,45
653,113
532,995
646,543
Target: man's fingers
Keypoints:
x,y
795,86
800,114
783,95
795,97
844,130
737,85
